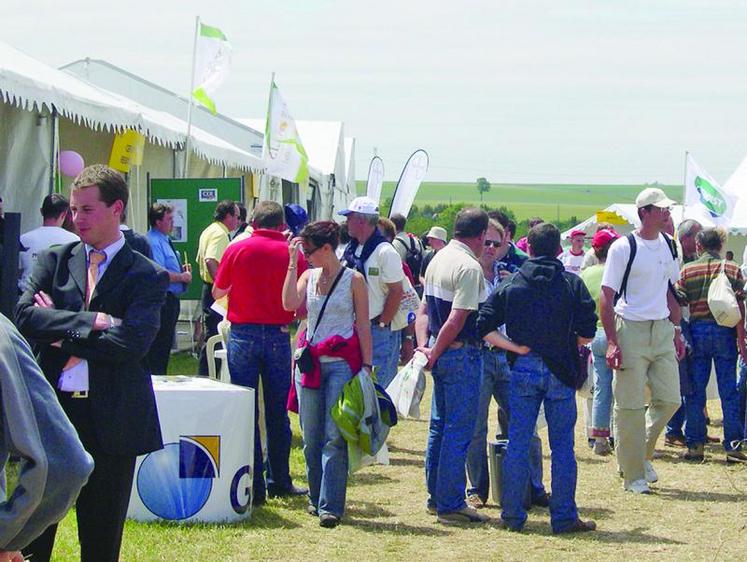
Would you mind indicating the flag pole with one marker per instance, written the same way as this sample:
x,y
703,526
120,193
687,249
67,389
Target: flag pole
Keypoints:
x,y
189,99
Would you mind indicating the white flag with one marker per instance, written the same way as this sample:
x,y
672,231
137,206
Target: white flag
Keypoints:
x,y
409,183
705,200
284,154
375,179
212,64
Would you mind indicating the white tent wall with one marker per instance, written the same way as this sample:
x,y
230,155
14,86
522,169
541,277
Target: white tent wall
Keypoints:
x,y
25,161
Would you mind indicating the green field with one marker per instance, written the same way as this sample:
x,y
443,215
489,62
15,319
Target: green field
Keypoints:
x,y
550,201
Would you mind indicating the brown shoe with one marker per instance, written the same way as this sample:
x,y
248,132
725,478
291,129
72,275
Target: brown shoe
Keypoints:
x,y
712,439
736,456
694,453
675,441
473,500
579,526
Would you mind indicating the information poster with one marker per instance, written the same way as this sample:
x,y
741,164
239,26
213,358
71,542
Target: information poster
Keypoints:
x,y
194,202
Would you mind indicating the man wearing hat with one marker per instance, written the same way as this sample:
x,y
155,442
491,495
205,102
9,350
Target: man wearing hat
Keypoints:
x,y
573,257
436,239
643,344
371,254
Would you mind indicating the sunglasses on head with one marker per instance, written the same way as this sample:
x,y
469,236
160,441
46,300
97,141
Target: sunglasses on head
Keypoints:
x,y
307,253
494,243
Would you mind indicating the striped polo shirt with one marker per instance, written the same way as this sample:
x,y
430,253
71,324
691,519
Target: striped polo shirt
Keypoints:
x,y
695,280
454,279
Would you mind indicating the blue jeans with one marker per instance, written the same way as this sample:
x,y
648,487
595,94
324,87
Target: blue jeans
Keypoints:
x,y
717,344
532,384
256,350
324,448
496,375
385,345
676,424
456,389
742,387
601,411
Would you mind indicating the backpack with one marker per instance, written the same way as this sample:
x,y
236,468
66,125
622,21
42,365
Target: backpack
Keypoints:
x,y
413,256
633,248
722,301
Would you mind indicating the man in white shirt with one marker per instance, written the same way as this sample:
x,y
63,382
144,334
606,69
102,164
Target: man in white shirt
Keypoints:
x,y
54,209
642,329
371,254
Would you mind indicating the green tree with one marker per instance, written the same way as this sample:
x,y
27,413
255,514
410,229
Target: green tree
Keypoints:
x,y
483,186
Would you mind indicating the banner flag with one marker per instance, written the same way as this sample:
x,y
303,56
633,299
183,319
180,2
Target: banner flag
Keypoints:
x,y
127,150
212,64
284,154
705,200
409,182
611,217
375,179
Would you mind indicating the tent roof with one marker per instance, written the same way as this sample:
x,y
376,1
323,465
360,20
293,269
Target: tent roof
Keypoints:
x,y
629,212
31,84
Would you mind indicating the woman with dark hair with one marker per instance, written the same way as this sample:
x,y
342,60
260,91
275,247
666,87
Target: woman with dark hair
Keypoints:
x,y
601,411
339,340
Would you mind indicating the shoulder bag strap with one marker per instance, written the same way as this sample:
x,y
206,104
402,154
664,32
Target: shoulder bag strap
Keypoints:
x,y
326,299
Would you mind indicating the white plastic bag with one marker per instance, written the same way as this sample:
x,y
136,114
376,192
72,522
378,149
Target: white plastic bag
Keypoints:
x,y
407,388
722,301
408,307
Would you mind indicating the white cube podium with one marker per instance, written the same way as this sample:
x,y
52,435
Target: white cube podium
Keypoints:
x,y
204,472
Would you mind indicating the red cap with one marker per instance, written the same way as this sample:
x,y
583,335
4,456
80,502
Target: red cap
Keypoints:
x,y
604,237
578,233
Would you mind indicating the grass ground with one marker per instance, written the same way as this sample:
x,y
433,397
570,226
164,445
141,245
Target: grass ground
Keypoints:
x,y
698,512
550,201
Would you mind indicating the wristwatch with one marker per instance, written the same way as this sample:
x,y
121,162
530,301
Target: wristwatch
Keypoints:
x,y
409,338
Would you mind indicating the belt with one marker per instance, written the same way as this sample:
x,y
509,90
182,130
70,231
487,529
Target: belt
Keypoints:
x,y
79,394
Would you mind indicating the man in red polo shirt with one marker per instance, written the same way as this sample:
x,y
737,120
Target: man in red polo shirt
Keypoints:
x,y
252,273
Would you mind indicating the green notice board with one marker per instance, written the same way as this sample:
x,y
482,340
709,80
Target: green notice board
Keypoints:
x,y
194,202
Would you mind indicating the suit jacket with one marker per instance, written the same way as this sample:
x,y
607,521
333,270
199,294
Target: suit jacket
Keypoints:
x,y
138,242
133,288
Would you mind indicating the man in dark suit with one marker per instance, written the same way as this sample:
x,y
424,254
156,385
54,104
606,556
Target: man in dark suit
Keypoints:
x,y
93,309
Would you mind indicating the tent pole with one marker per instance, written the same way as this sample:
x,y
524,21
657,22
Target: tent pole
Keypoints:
x,y
684,188
53,156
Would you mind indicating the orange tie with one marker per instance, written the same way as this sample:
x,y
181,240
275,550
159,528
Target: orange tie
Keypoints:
x,y
95,257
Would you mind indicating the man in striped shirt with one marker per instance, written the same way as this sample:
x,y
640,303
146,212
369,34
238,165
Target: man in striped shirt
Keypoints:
x,y
712,343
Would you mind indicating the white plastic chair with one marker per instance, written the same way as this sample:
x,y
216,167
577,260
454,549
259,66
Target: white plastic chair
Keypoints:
x,y
222,354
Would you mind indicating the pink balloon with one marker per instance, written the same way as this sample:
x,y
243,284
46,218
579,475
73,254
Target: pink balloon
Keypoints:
x,y
71,163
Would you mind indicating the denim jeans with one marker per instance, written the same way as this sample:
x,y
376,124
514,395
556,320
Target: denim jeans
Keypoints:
x,y
385,343
601,413
717,344
256,350
676,425
742,387
496,375
456,389
324,448
532,384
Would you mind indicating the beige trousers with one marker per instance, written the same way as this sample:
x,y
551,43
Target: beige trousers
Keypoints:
x,y
648,363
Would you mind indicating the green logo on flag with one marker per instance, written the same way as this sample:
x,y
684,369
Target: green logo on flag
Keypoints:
x,y
710,197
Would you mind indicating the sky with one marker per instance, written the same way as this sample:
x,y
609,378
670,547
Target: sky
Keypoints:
x,y
530,91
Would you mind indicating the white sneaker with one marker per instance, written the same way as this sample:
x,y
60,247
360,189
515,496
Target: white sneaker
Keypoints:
x,y
638,487
651,475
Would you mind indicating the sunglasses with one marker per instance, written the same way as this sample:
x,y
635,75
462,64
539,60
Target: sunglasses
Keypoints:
x,y
494,243
308,253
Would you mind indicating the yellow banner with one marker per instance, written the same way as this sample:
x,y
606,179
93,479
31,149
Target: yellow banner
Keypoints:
x,y
127,151
610,217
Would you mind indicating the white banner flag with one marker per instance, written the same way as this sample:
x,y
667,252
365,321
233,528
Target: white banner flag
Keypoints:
x,y
409,183
212,64
375,179
705,200
285,156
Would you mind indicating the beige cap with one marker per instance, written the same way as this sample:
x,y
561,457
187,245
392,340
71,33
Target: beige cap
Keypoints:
x,y
653,196
438,233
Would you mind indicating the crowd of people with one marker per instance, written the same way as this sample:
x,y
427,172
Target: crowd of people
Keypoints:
x,y
495,322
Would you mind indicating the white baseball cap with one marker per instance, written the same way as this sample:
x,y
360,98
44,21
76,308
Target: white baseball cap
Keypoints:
x,y
438,233
653,196
362,205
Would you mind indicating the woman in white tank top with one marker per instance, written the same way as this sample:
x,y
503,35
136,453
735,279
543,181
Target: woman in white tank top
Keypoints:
x,y
346,313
